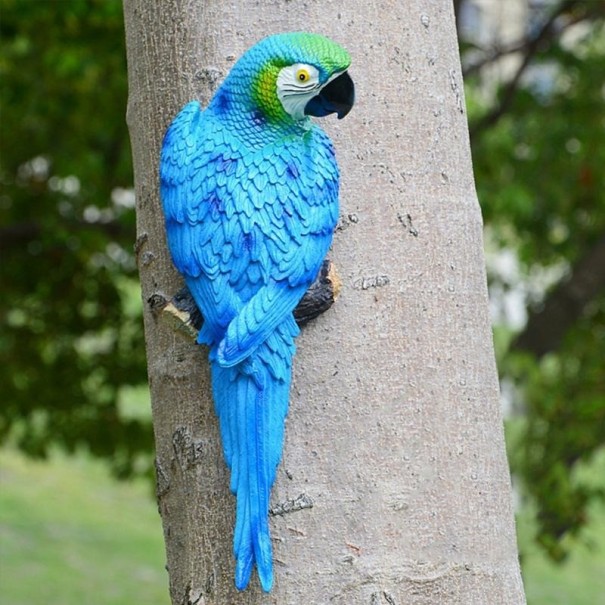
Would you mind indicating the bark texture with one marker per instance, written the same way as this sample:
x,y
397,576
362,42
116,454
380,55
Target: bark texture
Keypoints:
x,y
394,432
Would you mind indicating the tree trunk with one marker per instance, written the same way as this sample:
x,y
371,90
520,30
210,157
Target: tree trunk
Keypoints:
x,y
394,431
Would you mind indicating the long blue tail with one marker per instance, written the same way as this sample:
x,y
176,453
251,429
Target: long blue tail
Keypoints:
x,y
251,400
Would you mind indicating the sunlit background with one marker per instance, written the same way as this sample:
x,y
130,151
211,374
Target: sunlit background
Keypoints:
x,y
78,520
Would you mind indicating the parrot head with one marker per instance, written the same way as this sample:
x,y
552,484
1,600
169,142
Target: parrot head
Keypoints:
x,y
288,77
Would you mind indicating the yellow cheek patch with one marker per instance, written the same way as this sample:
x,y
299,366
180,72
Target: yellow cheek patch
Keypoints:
x,y
265,93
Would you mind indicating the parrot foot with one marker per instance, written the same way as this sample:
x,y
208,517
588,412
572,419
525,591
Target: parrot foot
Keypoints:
x,y
182,313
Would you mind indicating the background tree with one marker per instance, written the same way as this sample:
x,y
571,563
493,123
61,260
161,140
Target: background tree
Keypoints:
x,y
538,155
394,431
71,339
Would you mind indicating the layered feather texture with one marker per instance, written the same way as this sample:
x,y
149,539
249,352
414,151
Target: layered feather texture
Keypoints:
x,y
250,201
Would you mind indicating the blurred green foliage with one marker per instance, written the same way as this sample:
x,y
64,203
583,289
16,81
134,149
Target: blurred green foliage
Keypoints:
x,y
539,169
70,340
541,183
71,345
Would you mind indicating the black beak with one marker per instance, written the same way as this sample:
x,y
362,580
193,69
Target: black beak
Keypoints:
x,y
336,97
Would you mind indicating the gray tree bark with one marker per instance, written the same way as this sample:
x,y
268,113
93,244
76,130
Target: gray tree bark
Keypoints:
x,y
394,431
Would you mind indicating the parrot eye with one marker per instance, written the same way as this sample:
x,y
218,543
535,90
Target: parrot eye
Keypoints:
x,y
302,75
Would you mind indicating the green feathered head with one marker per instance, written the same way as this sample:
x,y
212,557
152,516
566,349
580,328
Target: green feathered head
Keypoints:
x,y
290,76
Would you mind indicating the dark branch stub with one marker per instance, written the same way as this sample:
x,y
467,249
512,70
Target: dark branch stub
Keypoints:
x,y
183,313
320,296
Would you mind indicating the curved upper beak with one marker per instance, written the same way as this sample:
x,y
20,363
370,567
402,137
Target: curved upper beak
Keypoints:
x,y
338,96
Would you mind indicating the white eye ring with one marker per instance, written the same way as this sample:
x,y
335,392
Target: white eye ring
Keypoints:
x,y
296,85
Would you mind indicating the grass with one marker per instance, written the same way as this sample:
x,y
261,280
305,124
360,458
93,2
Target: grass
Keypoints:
x,y
71,535
580,580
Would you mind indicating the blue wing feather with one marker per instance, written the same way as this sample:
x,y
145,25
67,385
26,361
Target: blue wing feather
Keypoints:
x,y
248,229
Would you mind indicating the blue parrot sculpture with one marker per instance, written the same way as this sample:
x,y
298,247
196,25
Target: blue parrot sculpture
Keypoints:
x,y
249,188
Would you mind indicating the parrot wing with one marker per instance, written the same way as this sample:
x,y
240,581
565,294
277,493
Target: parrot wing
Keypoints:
x,y
194,168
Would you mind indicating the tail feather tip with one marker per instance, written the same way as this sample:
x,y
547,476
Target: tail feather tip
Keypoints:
x,y
266,578
243,571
